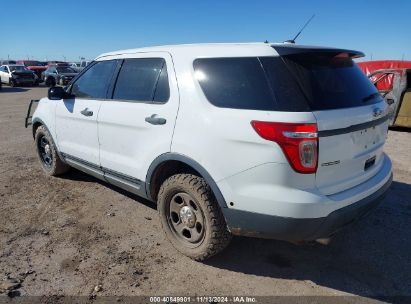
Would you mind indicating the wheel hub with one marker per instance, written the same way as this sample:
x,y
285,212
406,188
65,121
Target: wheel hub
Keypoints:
x,y
47,149
186,219
187,216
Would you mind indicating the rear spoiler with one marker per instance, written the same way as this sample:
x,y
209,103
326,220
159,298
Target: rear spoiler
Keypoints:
x,y
290,49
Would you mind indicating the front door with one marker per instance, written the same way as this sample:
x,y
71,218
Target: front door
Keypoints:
x,y
76,118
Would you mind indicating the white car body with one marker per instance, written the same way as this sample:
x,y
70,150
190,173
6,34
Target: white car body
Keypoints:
x,y
6,74
258,191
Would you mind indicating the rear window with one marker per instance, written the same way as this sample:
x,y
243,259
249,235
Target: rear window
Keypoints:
x,y
294,83
331,81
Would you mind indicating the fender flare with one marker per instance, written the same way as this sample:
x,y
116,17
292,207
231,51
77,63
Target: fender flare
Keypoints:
x,y
39,120
190,162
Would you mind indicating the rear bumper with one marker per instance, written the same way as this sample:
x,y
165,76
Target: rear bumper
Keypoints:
x,y
247,223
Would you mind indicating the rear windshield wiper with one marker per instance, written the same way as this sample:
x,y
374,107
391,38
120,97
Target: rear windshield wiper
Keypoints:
x,y
371,96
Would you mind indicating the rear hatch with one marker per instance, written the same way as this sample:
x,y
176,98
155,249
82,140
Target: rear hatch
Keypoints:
x,y
352,117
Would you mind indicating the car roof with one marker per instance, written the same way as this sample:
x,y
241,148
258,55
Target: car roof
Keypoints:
x,y
9,65
184,48
202,49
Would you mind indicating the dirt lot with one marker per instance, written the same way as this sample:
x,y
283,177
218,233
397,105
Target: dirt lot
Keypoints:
x,y
66,235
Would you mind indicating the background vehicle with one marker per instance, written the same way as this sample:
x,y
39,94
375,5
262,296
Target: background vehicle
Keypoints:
x,y
17,75
56,62
267,140
74,65
59,75
83,64
393,80
5,62
36,66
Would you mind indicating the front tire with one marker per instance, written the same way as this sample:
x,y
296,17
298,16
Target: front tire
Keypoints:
x,y
12,83
191,217
47,153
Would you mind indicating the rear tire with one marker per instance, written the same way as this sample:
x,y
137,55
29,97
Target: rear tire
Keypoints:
x,y
47,153
191,217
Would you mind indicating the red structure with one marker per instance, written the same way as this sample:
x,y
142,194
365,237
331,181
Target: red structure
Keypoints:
x,y
385,84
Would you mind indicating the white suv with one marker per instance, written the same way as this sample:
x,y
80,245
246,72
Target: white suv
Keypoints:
x,y
256,139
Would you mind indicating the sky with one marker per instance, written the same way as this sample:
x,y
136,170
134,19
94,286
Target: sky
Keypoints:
x,y
68,30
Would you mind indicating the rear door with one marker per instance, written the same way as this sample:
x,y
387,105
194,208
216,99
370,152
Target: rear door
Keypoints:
x,y
352,118
137,124
76,118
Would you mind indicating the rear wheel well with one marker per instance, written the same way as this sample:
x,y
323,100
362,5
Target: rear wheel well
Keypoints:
x,y
165,170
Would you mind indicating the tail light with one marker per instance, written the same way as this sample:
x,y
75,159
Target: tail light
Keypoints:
x,y
299,142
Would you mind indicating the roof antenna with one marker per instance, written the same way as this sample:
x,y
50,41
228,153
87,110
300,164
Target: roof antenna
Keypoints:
x,y
298,34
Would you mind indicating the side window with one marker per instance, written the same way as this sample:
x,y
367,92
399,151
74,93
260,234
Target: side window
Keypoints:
x,y
95,81
237,83
162,92
142,79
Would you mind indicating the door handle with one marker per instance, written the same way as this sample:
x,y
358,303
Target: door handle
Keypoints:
x,y
155,120
87,112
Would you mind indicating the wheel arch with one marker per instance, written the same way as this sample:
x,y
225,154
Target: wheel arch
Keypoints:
x,y
37,122
158,172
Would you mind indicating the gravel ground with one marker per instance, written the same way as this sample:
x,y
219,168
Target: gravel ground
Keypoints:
x,y
67,235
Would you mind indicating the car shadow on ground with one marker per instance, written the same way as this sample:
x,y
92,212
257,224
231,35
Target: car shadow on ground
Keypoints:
x,y
76,175
13,89
371,258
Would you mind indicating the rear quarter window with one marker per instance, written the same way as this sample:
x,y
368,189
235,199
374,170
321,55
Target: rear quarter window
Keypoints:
x,y
237,83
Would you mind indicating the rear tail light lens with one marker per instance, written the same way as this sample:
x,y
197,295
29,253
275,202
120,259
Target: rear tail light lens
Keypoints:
x,y
299,142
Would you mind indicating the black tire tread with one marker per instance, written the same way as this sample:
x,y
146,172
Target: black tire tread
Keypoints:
x,y
58,167
220,237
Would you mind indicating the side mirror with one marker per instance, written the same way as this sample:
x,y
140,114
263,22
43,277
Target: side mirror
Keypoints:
x,y
57,93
